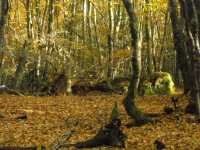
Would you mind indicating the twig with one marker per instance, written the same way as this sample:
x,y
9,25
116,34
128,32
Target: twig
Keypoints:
x,y
3,87
59,142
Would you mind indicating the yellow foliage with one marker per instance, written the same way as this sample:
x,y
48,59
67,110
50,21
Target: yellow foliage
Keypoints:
x,y
121,54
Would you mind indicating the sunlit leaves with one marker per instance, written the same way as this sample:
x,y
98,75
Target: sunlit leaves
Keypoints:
x,y
83,116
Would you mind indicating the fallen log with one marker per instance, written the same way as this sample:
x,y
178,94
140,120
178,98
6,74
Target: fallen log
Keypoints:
x,y
110,135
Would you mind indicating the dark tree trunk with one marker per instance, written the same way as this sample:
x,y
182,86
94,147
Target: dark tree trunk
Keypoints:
x,y
3,14
110,40
129,101
197,6
180,46
192,29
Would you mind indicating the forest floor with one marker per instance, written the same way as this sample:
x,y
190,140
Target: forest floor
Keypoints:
x,y
50,117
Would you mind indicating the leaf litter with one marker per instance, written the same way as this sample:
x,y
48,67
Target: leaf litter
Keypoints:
x,y
48,118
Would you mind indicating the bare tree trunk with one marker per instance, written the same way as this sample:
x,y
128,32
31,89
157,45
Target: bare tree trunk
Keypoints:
x,y
117,23
3,13
89,21
192,30
39,34
180,46
148,39
110,40
197,6
70,27
25,50
97,38
50,28
85,10
129,101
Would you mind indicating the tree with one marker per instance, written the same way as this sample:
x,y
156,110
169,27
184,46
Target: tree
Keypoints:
x,y
3,14
110,39
180,46
129,101
190,16
22,59
85,40
187,54
148,38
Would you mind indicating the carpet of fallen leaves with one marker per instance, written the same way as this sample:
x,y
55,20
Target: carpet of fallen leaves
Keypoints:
x,y
48,118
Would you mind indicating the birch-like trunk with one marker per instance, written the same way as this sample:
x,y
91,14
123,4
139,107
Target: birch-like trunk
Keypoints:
x,y
22,60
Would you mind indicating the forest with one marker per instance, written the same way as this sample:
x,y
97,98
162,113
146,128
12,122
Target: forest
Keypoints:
x,y
108,74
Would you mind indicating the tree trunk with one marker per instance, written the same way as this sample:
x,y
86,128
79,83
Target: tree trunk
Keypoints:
x,y
197,6
192,30
110,40
180,46
129,101
49,47
148,39
19,73
39,35
3,14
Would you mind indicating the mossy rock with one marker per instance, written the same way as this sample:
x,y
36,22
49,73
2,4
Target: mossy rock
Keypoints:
x,y
158,83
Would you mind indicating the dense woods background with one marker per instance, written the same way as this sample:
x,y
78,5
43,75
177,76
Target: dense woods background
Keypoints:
x,y
82,40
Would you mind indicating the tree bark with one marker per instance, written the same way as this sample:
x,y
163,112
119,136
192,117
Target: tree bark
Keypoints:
x,y
110,40
180,46
129,101
3,13
197,6
192,30
19,73
148,39
49,47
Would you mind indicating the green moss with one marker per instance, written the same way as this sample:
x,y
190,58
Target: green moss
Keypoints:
x,y
149,89
160,83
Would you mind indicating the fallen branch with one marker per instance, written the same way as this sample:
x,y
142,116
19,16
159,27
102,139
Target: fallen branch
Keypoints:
x,y
110,135
9,91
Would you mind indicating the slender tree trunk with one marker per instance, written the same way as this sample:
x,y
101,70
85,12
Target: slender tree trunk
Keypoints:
x,y
50,28
39,35
117,23
70,27
148,39
25,50
90,33
197,6
84,31
97,40
3,14
163,42
110,40
129,101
